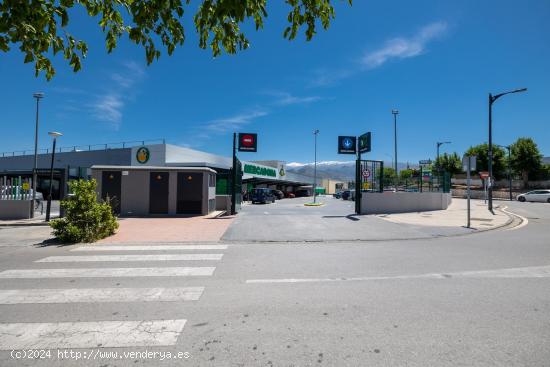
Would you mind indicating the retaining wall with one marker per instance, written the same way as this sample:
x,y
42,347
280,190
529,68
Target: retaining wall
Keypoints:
x,y
15,209
403,202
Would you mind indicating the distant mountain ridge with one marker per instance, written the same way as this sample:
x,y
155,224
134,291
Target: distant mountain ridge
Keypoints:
x,y
337,170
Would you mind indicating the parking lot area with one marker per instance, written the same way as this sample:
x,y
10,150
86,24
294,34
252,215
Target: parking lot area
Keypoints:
x,y
290,220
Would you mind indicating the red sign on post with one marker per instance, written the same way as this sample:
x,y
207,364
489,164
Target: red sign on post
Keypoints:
x,y
484,175
248,142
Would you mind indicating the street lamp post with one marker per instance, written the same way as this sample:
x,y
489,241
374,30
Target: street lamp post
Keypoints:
x,y
440,143
395,113
492,100
54,135
37,96
315,132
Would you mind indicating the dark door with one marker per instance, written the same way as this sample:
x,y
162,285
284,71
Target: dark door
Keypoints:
x,y
189,193
111,182
158,192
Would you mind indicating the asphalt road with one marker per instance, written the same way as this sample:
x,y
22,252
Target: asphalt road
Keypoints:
x,y
476,300
290,220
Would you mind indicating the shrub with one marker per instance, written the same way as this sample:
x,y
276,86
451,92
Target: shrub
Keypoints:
x,y
86,219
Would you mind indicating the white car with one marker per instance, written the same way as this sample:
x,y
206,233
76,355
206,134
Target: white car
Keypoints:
x,y
542,196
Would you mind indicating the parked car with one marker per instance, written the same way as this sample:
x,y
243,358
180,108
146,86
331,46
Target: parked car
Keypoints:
x,y
278,194
348,195
289,195
536,195
337,195
301,193
262,195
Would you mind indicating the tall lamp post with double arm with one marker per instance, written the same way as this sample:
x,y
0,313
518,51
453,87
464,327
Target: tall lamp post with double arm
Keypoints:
x,y
54,135
38,96
492,99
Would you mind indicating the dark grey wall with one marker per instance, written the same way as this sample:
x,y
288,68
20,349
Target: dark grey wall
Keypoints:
x,y
120,156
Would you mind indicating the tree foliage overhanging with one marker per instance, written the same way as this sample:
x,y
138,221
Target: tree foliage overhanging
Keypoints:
x,y
39,28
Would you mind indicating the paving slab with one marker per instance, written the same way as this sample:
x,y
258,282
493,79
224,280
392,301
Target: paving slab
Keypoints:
x,y
162,230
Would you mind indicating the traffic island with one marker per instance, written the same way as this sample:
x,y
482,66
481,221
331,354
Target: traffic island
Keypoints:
x,y
314,204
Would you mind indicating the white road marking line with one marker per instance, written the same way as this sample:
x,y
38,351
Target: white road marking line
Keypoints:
x,y
107,272
526,272
110,258
104,334
524,221
17,296
150,248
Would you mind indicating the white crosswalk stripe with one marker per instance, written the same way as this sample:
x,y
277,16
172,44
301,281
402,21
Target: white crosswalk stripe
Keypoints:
x,y
110,258
107,334
17,296
108,272
104,333
150,248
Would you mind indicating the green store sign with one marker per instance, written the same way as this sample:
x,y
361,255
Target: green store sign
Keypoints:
x,y
259,171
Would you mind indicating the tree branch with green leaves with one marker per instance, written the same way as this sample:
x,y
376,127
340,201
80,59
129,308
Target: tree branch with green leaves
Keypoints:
x,y
39,28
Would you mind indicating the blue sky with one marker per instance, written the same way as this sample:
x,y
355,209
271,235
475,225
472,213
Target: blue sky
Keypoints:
x,y
435,61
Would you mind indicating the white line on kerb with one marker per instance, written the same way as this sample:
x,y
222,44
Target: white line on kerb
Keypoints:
x,y
149,248
109,258
107,272
33,296
527,272
524,221
107,334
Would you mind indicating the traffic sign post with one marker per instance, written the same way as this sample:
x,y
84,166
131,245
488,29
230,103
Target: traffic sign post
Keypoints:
x,y
347,145
248,142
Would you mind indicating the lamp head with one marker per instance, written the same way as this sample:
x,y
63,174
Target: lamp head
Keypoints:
x,y
395,112
54,134
38,95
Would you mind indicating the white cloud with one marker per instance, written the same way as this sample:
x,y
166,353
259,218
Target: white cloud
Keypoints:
x,y
402,48
286,99
234,122
108,108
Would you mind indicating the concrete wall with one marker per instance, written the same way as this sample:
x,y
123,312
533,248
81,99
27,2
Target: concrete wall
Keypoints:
x,y
223,202
403,202
516,184
15,209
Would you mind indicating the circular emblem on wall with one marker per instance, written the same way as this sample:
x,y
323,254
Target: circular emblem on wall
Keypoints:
x,y
143,155
282,171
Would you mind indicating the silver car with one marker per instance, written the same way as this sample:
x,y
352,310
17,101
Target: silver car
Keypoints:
x,y
542,196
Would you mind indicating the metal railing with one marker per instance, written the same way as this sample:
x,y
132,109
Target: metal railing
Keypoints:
x,y
89,147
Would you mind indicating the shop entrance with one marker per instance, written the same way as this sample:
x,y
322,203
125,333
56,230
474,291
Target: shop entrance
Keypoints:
x,y
158,192
111,182
189,196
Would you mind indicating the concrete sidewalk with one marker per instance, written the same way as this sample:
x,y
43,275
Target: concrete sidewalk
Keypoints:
x,y
455,216
169,229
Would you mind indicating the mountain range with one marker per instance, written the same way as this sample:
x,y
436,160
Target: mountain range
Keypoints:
x,y
338,170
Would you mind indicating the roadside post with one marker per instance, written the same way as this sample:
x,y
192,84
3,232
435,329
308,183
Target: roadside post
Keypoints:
x,y
348,145
248,142
364,147
468,164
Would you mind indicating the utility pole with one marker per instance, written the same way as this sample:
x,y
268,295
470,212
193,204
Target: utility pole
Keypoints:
x,y
316,132
37,96
395,113
54,135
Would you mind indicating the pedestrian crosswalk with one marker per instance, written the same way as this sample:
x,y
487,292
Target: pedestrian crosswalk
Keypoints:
x,y
81,333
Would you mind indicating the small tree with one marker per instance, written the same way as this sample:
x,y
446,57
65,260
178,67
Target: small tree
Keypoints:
x,y
450,163
499,161
526,158
86,219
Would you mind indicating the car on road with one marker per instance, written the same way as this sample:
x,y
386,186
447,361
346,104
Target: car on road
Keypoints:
x,y
289,195
536,195
337,195
278,194
348,195
262,196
